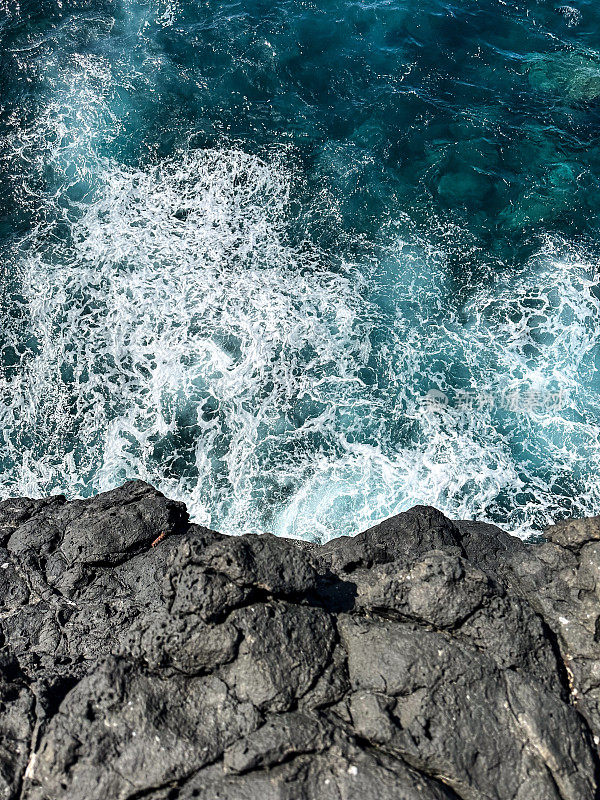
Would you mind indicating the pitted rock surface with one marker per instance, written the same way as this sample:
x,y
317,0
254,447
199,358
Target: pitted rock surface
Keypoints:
x,y
424,659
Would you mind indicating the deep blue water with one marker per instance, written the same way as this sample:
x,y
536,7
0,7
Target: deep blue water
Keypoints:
x,y
303,265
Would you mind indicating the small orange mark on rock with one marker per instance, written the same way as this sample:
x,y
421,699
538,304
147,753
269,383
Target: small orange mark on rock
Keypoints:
x,y
158,539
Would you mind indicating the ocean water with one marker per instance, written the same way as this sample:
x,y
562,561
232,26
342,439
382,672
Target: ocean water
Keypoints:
x,y
303,264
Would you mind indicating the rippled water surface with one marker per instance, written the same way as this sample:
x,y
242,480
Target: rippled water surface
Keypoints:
x,y
303,265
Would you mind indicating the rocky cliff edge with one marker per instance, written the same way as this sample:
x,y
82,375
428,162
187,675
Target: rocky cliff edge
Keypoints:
x,y
425,659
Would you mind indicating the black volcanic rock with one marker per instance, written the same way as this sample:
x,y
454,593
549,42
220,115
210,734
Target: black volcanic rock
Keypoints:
x,y
424,659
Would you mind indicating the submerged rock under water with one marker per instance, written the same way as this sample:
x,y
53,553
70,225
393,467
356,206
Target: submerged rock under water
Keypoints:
x,y
143,656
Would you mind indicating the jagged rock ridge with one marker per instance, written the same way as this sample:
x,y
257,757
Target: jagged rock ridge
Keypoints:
x,y
424,658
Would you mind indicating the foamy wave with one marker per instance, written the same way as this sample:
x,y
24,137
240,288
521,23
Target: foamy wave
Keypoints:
x,y
164,322
176,334
490,406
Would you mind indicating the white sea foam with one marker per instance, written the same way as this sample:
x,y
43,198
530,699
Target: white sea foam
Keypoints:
x,y
173,329
518,442
182,340
178,290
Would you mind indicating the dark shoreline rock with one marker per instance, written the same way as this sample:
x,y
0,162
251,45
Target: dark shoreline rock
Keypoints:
x,y
424,658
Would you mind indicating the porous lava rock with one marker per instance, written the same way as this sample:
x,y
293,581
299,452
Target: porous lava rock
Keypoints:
x,y
424,659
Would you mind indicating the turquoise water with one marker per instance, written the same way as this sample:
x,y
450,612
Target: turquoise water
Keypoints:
x,y
303,265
